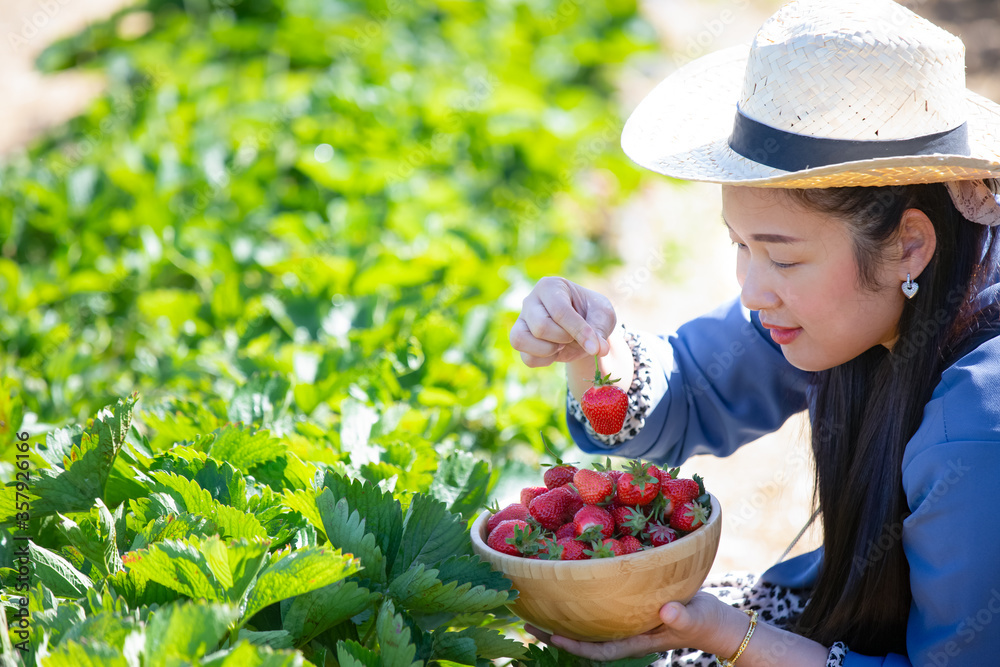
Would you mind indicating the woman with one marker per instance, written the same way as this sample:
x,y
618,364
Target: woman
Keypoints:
x,y
857,183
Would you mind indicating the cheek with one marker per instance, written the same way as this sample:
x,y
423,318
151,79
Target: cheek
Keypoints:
x,y
741,269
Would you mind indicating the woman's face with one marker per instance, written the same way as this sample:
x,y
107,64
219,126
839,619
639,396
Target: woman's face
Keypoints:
x,y
797,268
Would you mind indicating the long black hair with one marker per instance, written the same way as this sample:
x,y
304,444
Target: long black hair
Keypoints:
x,y
865,411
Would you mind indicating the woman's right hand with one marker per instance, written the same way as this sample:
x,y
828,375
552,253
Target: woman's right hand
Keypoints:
x,y
562,321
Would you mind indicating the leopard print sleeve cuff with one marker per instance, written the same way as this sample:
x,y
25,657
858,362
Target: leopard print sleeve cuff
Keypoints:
x,y
837,654
638,397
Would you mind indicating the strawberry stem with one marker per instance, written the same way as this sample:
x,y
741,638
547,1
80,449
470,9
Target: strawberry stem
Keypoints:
x,y
599,380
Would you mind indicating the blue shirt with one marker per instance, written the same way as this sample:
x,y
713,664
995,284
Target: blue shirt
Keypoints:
x,y
720,382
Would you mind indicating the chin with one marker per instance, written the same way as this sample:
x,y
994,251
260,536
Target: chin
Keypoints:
x,y
805,362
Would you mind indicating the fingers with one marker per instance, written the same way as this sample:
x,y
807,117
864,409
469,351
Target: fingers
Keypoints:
x,y
561,311
561,321
535,352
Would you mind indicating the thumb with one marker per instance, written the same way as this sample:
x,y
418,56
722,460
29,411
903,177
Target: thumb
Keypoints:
x,y
603,321
675,615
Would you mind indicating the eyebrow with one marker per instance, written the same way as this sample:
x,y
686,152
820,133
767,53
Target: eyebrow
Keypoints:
x,y
767,238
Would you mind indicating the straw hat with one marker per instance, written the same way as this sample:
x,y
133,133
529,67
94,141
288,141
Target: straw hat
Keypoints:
x,y
830,93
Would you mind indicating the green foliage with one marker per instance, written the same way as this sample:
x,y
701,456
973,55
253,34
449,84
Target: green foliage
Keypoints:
x,y
300,230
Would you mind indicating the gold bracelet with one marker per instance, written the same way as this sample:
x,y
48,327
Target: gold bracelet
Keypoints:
x,y
746,640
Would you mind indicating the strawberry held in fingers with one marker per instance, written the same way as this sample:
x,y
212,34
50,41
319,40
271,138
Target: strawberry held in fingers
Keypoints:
x,y
605,404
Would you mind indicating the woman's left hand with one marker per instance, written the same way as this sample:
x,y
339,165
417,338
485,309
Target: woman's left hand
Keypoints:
x,y
684,626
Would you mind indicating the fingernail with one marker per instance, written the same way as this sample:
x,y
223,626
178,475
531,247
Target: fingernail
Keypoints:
x,y
670,615
591,346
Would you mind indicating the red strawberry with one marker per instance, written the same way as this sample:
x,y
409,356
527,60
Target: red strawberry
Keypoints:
x,y
637,487
502,537
566,530
630,544
592,522
575,502
605,404
689,516
529,493
572,549
512,511
608,548
681,491
559,475
660,474
595,487
629,520
615,475
660,534
550,508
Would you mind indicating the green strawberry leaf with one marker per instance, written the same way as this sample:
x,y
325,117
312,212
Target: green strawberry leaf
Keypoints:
x,y
463,483
311,613
110,628
462,585
297,572
94,653
550,656
261,400
348,534
490,644
241,446
224,482
186,631
98,544
82,477
430,534
352,654
140,591
57,573
272,638
180,566
383,513
394,638
190,496
247,654
455,648
173,527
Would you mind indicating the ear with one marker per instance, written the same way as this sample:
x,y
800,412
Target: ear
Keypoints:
x,y
917,242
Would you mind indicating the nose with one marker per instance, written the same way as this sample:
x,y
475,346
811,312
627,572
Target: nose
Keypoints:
x,y
757,292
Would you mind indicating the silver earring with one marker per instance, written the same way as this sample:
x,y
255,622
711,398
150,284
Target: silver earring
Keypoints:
x,y
909,287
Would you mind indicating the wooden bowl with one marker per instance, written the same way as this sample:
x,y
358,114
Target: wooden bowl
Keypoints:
x,y
606,598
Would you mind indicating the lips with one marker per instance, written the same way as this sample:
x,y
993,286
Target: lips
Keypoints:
x,y
782,335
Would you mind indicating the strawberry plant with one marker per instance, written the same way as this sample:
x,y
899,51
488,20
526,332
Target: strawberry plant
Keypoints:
x,y
183,543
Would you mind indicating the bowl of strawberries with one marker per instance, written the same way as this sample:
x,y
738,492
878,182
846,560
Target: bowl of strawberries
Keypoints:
x,y
595,553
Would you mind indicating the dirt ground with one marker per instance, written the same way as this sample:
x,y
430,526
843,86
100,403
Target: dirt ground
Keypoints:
x,y
765,487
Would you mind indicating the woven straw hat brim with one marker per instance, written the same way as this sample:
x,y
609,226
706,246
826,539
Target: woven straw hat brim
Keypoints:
x,y
681,129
